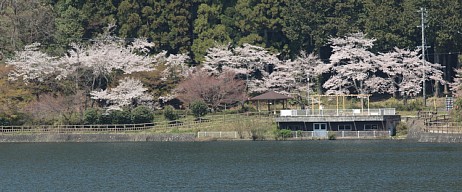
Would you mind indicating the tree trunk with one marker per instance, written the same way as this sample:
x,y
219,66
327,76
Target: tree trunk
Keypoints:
x,y
319,84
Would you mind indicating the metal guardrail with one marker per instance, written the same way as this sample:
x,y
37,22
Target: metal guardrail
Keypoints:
x,y
339,112
342,134
218,134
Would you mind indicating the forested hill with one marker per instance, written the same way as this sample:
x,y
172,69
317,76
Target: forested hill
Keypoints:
x,y
190,27
64,61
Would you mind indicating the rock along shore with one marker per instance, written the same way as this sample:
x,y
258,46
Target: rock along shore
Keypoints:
x,y
106,137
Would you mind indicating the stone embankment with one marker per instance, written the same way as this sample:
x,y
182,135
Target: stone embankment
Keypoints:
x,y
415,133
107,137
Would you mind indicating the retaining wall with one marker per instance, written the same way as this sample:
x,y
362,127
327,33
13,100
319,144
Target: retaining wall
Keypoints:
x,y
435,137
94,137
415,133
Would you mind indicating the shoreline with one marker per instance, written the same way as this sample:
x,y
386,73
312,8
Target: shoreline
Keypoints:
x,y
414,135
98,137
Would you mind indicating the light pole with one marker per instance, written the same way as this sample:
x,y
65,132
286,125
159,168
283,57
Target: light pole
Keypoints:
x,y
307,90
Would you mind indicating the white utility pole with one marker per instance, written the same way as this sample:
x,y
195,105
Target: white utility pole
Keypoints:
x,y
308,90
423,12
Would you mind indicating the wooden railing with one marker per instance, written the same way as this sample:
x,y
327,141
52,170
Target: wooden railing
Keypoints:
x,y
426,114
209,122
443,127
435,123
75,128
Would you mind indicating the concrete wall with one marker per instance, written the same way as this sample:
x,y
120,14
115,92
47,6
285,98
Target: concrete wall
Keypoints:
x,y
95,137
415,126
435,137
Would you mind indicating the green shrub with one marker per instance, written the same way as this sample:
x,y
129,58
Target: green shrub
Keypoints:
x,y
247,108
412,104
332,136
170,113
4,121
257,134
73,118
15,118
199,109
121,117
105,118
282,134
456,112
142,114
91,116
401,129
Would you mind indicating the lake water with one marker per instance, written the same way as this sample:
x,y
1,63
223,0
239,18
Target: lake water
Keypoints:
x,y
348,165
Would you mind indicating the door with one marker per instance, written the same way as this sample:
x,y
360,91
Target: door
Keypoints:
x,y
320,130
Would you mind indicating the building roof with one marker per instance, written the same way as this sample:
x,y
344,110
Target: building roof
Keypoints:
x,y
270,95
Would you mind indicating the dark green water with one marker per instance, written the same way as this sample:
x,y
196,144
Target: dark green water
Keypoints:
x,y
232,166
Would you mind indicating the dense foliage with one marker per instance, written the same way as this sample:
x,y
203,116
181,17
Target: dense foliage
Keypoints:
x,y
194,26
67,57
170,113
199,109
140,114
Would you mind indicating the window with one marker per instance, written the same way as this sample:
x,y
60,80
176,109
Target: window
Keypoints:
x,y
294,127
344,127
370,126
319,126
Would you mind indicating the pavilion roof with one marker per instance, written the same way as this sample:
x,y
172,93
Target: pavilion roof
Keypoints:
x,y
270,95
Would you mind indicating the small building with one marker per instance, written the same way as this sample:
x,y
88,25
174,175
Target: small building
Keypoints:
x,y
320,119
270,98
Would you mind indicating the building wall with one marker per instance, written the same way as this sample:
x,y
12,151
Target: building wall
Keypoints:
x,y
338,126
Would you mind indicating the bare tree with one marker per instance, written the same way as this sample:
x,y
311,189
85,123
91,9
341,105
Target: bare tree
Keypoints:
x,y
215,91
56,109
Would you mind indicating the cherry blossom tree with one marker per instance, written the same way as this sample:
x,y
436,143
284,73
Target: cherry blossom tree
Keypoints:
x,y
256,61
100,59
36,69
32,65
456,86
108,55
217,58
129,92
294,74
214,91
282,79
249,62
405,70
353,67
176,67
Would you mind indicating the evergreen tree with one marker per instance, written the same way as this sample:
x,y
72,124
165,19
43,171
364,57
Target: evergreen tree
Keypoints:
x,y
260,23
208,30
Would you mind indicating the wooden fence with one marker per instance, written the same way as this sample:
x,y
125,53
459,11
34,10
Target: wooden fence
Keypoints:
x,y
435,123
443,127
209,122
76,128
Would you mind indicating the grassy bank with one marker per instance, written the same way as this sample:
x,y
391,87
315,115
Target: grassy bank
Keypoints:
x,y
247,125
